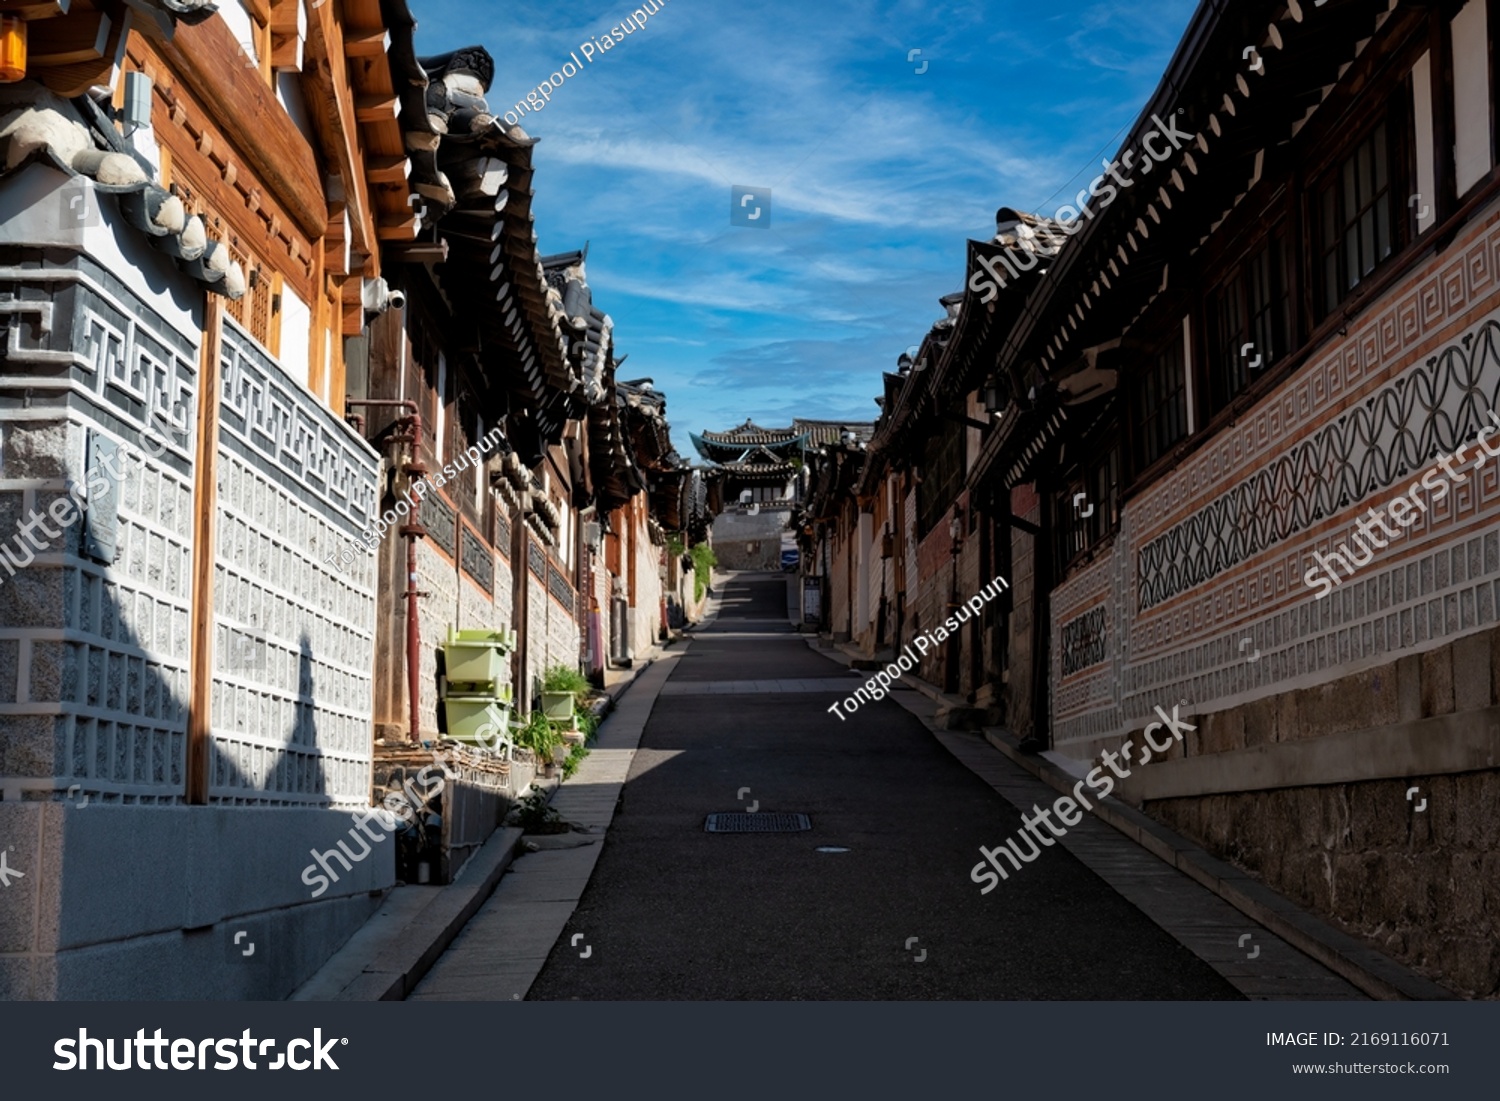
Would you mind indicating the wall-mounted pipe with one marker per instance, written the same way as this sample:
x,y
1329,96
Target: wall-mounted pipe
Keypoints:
x,y
411,531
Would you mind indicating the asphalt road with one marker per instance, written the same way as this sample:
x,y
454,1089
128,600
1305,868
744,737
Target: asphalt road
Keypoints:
x,y
673,912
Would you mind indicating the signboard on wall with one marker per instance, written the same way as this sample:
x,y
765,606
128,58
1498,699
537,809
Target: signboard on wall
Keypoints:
x,y
812,600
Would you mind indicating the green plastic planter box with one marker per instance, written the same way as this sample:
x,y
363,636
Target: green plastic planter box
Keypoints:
x,y
478,720
476,657
505,640
558,706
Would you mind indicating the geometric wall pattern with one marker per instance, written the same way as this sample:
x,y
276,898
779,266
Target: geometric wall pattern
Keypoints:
x,y
94,655
294,641
1392,435
1205,572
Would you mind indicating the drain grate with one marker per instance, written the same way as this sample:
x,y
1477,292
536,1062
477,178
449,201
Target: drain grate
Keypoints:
x,y
756,823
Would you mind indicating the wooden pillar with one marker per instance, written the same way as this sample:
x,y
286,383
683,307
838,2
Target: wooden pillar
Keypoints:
x,y
205,517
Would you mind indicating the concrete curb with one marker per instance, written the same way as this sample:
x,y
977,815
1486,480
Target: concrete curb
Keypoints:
x,y
395,972
1371,971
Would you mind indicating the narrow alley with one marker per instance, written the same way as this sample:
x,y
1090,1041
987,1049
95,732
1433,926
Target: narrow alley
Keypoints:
x,y
873,902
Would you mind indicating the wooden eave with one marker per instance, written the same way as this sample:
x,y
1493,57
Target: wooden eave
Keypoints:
x,y
208,59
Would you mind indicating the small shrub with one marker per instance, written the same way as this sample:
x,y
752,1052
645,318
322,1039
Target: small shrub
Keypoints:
x,y
562,678
704,560
538,735
575,758
533,814
586,723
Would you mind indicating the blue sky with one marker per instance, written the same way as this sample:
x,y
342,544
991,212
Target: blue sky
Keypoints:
x,y
878,173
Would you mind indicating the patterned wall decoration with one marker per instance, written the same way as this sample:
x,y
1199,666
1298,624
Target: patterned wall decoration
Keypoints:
x,y
1392,435
1207,566
441,522
558,586
294,637
502,531
102,700
535,558
1083,641
478,561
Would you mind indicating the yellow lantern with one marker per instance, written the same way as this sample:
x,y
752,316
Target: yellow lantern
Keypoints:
x,y
12,49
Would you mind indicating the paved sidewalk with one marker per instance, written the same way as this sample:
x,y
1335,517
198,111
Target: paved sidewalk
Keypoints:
x,y
391,953
503,948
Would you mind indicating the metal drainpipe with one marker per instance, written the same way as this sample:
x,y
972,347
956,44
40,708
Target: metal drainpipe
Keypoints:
x,y
411,532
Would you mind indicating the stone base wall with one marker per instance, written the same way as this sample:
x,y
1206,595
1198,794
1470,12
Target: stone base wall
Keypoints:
x,y
1418,877
1423,888
144,903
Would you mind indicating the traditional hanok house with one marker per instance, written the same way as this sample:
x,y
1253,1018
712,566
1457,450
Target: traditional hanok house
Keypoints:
x,y
938,540
753,485
491,363
832,533
751,491
188,679
638,484
1280,524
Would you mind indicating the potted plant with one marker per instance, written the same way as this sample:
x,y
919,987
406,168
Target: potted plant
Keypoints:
x,y
561,687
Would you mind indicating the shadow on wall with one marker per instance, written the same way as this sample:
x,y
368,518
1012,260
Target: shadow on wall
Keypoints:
x,y
84,923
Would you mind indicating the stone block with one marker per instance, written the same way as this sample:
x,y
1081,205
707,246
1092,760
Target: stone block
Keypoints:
x,y
1374,822
1409,688
31,745
1385,696
1494,662
1256,723
1471,672
1437,681
1467,902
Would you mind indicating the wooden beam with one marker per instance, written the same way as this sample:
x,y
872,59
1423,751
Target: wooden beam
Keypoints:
x,y
34,9
205,522
283,16
285,55
334,243
388,170
207,59
398,227
330,100
78,77
336,373
366,43
380,107
81,37
317,343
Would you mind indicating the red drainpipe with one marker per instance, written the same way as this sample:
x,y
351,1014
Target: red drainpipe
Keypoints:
x,y
412,530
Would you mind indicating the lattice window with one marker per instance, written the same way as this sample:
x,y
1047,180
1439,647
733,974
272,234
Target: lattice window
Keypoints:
x,y
1358,216
1159,404
254,311
942,475
1087,510
1249,320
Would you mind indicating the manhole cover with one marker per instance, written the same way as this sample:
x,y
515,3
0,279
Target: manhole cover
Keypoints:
x,y
757,823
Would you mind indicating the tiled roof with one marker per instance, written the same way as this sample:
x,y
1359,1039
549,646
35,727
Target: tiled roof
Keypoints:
x,y
749,434
823,433
475,173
